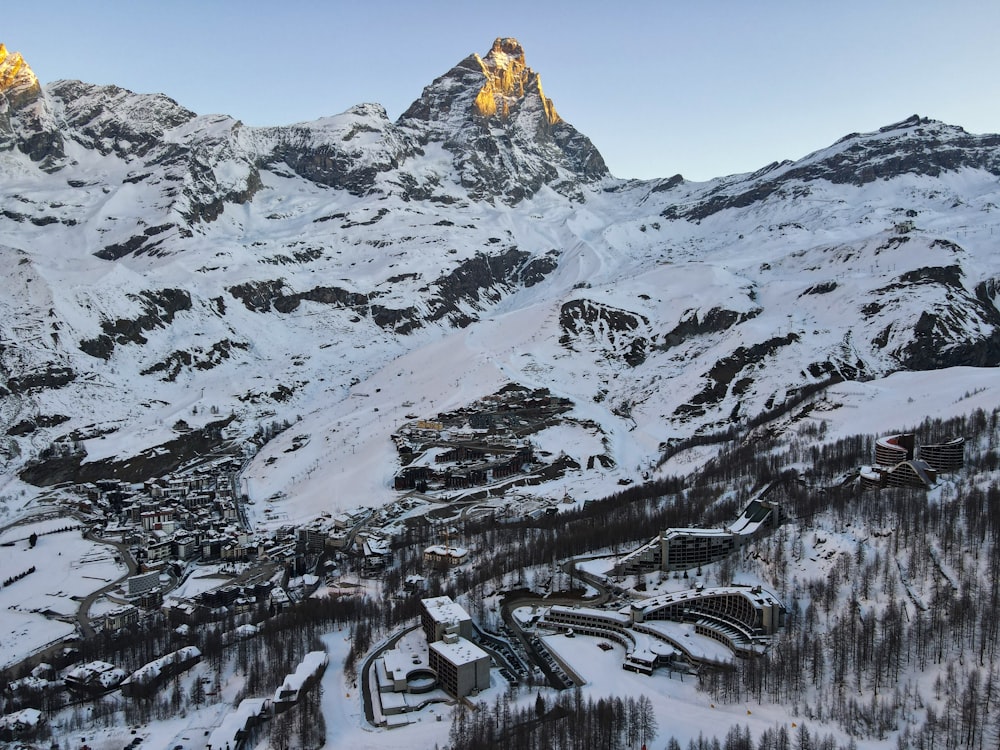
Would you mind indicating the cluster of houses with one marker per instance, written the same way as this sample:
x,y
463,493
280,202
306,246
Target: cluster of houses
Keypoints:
x,y
359,532
477,445
149,677
20,724
900,462
99,677
194,515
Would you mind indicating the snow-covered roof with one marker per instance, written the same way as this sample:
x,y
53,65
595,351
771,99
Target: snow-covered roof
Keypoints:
x,y
23,719
311,664
442,551
693,531
458,652
757,596
232,723
400,663
442,609
603,614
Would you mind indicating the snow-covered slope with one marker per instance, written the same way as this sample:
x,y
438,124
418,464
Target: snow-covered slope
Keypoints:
x,y
339,274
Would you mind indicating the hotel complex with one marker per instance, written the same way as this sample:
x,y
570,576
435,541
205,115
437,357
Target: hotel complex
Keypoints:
x,y
900,463
407,680
657,632
686,548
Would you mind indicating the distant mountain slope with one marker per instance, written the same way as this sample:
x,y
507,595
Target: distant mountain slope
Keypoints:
x,y
167,266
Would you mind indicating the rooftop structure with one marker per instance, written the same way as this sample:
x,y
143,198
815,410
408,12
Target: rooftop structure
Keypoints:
x,y
148,676
686,548
440,614
94,677
236,725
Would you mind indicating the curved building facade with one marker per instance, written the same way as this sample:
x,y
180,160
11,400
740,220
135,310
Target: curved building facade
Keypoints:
x,y
946,456
894,449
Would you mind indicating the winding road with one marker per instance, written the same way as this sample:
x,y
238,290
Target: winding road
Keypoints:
x,y
83,613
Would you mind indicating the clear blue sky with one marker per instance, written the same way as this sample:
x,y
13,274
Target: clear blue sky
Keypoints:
x,y
702,88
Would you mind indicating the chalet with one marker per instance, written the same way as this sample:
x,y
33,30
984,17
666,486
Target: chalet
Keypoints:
x,y
94,677
448,555
21,725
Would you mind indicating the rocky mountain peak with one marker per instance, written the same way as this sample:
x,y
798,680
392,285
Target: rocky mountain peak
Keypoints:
x,y
507,141
26,121
507,80
18,83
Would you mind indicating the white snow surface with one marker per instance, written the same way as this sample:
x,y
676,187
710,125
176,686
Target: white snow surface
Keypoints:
x,y
41,607
348,382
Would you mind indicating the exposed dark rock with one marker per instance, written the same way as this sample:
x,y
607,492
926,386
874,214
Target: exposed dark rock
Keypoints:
x,y
159,309
483,278
258,296
716,320
27,426
138,244
171,366
53,376
91,114
401,321
938,344
503,132
823,288
614,329
988,291
916,146
199,358
207,203
668,184
726,369
153,462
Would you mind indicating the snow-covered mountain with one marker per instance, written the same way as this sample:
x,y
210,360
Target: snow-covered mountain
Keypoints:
x,y
165,266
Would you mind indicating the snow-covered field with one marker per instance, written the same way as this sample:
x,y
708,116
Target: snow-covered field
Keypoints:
x,y
41,608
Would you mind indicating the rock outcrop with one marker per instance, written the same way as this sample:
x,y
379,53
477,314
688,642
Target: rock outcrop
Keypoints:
x,y
504,134
26,121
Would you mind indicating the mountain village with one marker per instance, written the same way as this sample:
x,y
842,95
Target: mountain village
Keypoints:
x,y
431,432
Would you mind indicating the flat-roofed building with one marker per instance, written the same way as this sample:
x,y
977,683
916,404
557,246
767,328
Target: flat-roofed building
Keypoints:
x,y
689,548
462,667
440,614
